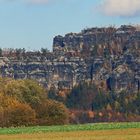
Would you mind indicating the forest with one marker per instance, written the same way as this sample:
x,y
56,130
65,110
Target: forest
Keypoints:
x,y
87,103
27,103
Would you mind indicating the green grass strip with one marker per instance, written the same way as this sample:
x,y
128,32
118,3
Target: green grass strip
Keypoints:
x,y
67,128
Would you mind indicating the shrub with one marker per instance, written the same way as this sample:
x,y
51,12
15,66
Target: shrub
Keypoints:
x,y
52,113
14,113
21,114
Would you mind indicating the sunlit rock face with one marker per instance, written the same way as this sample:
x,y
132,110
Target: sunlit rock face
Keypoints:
x,y
111,54
101,55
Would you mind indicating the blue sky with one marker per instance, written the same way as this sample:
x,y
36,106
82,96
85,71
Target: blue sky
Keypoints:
x,y
32,24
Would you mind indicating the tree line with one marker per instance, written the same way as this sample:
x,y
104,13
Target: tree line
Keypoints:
x,y
88,103
26,103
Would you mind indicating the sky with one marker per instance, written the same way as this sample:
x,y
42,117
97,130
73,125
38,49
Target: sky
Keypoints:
x,y
32,24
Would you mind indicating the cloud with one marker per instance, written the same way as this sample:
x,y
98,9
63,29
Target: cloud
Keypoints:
x,y
123,8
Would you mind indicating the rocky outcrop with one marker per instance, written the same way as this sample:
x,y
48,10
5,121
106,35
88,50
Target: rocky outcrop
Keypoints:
x,y
108,56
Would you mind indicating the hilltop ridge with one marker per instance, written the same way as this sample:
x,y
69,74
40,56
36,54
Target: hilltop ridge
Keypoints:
x,y
109,57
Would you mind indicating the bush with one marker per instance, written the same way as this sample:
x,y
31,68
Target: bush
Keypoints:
x,y
52,113
21,114
26,91
14,113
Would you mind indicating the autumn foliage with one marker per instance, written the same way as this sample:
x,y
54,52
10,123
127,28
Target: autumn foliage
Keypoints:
x,y
25,103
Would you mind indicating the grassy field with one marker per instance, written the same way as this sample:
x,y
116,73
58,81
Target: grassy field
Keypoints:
x,y
102,131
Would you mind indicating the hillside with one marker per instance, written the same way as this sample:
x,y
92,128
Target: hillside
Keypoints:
x,y
94,73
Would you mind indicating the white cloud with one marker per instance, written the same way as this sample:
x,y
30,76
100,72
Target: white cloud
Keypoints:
x,y
120,7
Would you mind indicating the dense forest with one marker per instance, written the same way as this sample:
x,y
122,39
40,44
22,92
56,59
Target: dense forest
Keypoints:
x,y
87,103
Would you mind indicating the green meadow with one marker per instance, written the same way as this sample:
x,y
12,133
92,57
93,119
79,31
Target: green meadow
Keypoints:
x,y
98,131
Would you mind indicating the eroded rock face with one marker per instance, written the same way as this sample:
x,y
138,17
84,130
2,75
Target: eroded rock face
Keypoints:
x,y
111,54
95,54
